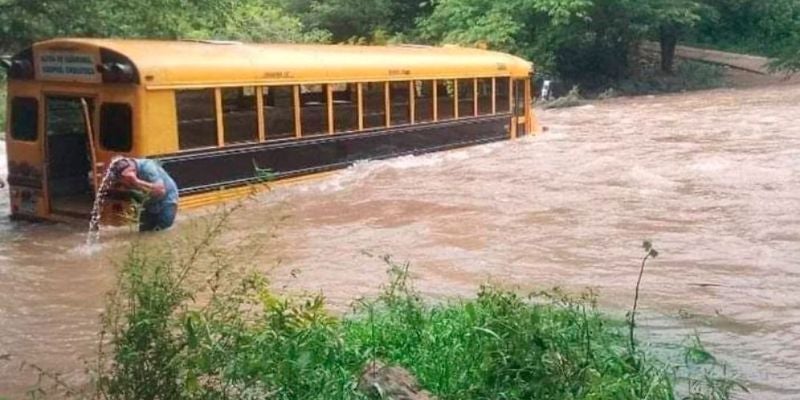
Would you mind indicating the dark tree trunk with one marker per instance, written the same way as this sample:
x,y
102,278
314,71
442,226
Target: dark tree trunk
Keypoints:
x,y
669,39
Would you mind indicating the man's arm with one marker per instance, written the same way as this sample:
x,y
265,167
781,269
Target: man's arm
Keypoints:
x,y
154,189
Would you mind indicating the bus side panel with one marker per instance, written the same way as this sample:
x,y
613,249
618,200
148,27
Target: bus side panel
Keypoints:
x,y
26,169
157,133
206,170
117,209
118,94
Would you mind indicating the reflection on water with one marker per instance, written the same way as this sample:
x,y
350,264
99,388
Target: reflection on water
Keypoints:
x,y
712,178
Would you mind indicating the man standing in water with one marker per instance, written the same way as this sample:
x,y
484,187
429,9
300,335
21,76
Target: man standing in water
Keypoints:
x,y
160,192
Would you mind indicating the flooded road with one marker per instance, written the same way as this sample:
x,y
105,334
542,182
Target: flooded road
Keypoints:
x,y
713,178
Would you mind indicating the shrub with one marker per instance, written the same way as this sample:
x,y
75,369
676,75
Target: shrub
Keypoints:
x,y
186,323
689,75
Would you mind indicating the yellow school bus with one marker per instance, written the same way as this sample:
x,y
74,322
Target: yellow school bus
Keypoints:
x,y
216,113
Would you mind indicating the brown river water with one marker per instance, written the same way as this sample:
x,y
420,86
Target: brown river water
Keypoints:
x,y
713,178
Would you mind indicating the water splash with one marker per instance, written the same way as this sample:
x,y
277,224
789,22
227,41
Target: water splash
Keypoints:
x,y
93,236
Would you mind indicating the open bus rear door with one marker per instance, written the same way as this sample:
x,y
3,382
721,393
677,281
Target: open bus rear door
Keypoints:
x,y
69,154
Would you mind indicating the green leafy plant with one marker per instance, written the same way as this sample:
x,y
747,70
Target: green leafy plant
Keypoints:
x,y
184,323
263,174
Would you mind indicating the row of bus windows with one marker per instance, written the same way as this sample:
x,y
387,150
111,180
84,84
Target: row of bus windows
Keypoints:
x,y
432,101
64,116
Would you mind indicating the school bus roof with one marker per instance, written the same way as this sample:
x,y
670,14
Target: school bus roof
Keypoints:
x,y
205,63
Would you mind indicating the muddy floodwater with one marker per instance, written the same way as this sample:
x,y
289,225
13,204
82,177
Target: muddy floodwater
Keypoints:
x,y
713,178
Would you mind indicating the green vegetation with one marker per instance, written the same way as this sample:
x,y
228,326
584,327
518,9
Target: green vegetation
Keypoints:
x,y
588,42
188,321
572,99
22,21
688,75
768,28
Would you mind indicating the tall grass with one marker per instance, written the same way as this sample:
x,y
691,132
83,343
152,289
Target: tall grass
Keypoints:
x,y
187,321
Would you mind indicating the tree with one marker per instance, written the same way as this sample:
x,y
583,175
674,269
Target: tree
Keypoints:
x,y
768,28
669,20
23,22
247,20
350,18
358,20
587,41
406,14
788,59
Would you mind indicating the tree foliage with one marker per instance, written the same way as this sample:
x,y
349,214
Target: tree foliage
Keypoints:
x,y
668,20
571,38
586,41
769,28
24,21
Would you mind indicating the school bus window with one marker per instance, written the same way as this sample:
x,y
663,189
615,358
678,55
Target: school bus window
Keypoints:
x,y
374,105
484,96
279,112
313,109
466,98
445,99
24,122
116,126
64,117
501,94
345,107
239,114
519,97
197,118
423,101
399,98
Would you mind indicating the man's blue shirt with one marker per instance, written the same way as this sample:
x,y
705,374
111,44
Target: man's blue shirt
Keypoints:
x,y
150,171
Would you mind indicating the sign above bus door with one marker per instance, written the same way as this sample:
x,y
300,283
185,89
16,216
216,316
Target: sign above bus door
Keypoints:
x,y
68,66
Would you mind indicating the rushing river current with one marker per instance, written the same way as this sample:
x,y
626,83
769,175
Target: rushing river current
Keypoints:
x,y
713,178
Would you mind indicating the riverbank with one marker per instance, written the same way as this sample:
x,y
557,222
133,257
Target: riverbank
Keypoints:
x,y
695,69
186,320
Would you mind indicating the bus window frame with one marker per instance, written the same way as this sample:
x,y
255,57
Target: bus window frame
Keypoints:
x,y
264,93
324,91
508,92
13,117
469,110
431,100
454,98
481,82
101,126
216,113
351,88
384,85
392,104
254,136
473,83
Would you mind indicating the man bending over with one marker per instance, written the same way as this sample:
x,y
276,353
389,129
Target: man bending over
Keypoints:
x,y
160,192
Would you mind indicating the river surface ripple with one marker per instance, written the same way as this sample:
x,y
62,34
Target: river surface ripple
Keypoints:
x,y
713,178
